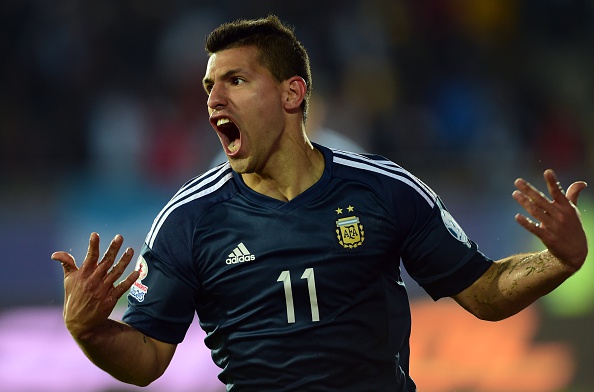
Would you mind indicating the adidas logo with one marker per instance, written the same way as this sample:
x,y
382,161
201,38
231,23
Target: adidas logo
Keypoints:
x,y
240,255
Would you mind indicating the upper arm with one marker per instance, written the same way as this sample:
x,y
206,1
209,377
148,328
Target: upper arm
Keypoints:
x,y
440,257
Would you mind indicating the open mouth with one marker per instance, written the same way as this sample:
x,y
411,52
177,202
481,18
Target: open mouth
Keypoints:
x,y
229,134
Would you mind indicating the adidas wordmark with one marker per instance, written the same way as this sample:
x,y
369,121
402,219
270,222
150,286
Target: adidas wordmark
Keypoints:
x,y
240,255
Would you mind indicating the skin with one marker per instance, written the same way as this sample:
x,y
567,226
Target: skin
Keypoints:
x,y
513,283
269,116
275,158
90,297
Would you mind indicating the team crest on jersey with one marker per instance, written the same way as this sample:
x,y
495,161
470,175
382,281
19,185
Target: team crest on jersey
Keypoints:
x,y
138,290
349,230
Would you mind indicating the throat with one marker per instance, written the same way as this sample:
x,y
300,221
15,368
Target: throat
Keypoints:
x,y
285,182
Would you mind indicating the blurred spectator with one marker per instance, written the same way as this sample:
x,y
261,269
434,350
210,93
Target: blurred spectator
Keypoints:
x,y
102,112
473,87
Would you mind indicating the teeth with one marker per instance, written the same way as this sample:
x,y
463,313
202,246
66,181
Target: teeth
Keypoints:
x,y
222,121
233,147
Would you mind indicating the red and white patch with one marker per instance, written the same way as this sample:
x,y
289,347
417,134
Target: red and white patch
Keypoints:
x,y
139,290
142,267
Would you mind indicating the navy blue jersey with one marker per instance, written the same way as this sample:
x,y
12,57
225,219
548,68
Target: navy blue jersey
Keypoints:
x,y
305,294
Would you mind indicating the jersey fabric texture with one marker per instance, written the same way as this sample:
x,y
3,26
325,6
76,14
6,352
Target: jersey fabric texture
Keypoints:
x,y
304,295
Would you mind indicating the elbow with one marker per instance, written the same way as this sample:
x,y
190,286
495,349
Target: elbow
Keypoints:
x,y
150,377
137,381
144,383
482,309
492,312
489,316
137,378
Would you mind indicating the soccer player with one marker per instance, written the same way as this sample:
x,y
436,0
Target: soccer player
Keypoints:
x,y
290,252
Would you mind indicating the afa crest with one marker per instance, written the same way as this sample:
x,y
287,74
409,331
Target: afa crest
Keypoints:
x,y
349,230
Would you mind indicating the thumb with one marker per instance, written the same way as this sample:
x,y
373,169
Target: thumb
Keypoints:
x,y
67,260
574,191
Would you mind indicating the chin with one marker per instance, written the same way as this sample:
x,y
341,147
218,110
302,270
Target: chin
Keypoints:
x,y
239,165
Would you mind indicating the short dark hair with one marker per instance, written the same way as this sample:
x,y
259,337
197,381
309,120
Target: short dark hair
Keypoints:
x,y
280,51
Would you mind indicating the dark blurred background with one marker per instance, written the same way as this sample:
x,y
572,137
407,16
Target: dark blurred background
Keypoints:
x,y
103,117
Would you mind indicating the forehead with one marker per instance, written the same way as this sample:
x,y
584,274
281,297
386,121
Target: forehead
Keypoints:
x,y
245,58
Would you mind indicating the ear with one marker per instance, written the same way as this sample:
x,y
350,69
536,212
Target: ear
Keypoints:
x,y
295,91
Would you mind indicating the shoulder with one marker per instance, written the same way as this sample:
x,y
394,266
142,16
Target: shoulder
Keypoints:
x,y
381,175
192,200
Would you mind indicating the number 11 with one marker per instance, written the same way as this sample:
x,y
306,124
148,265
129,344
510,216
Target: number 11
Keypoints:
x,y
308,274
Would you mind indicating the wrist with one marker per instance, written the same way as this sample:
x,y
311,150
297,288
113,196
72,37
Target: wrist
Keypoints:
x,y
570,267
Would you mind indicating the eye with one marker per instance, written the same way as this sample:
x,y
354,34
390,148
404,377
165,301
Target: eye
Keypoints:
x,y
236,81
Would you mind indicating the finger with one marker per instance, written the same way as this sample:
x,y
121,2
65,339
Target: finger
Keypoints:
x,y
574,191
125,284
531,207
530,225
90,262
67,260
555,188
110,255
119,268
533,194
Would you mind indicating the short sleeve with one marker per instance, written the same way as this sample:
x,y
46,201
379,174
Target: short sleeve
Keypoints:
x,y
161,302
440,257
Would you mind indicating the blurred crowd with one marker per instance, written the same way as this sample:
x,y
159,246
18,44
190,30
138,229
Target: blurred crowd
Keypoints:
x,y
103,116
445,87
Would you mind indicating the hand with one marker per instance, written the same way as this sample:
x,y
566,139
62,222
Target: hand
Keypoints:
x,y
558,223
89,291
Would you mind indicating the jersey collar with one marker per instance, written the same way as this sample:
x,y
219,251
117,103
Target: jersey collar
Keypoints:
x,y
305,197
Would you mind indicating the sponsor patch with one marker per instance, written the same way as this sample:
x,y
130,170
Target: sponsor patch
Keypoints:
x,y
451,224
139,290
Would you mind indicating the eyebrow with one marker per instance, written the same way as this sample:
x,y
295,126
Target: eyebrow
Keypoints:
x,y
207,81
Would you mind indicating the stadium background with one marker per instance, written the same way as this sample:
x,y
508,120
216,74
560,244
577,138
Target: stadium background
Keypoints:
x,y
102,117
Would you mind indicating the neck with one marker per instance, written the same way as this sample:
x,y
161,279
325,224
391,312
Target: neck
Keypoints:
x,y
290,172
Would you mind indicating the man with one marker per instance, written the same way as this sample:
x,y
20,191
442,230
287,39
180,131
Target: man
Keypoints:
x,y
290,252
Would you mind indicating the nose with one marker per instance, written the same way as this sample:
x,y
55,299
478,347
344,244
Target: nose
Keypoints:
x,y
216,98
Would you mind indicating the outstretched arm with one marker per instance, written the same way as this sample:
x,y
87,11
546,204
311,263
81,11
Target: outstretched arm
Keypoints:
x,y
89,298
513,283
